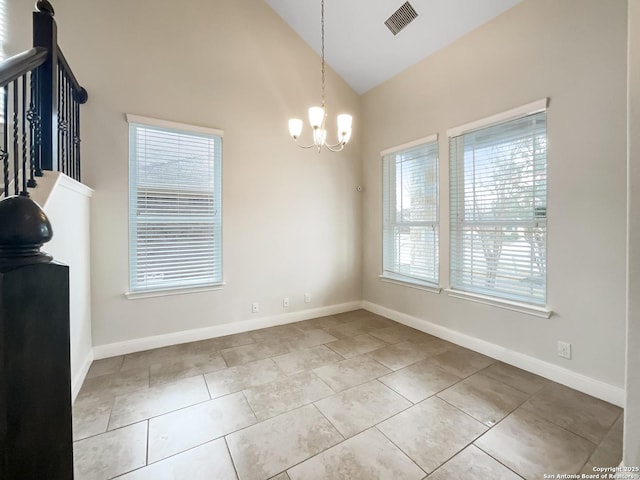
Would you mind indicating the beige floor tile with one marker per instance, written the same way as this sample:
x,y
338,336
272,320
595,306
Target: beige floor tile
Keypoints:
x,y
368,455
164,355
609,452
514,377
206,462
376,322
320,322
462,362
473,464
113,384
91,416
306,359
532,446
230,341
347,330
433,346
134,407
399,355
111,454
399,333
286,394
361,407
485,399
270,447
274,333
354,315
309,338
431,432
238,378
348,373
282,476
105,365
579,413
188,366
350,347
181,430
252,352
419,381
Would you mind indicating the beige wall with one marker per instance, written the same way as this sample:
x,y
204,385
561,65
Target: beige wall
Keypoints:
x,y
291,217
632,411
573,52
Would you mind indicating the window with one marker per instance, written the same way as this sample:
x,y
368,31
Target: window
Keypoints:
x,y
175,205
410,204
498,211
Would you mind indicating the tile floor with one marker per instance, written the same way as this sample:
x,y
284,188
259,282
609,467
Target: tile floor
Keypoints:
x,y
349,396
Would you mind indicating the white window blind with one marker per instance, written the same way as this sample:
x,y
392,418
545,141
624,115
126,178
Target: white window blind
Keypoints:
x,y
498,178
410,205
175,206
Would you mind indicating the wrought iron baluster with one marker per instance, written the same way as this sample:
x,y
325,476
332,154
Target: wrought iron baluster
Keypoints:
x,y
60,121
38,116
4,151
34,126
23,112
69,131
16,136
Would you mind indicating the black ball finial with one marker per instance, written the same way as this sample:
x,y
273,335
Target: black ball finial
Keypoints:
x,y
45,7
24,227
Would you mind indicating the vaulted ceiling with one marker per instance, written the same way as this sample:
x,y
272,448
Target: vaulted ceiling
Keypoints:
x,y
360,47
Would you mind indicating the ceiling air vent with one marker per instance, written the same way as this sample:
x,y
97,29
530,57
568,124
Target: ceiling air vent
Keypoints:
x,y
401,18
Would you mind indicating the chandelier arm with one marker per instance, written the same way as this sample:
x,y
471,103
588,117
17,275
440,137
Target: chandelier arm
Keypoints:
x,y
336,148
304,146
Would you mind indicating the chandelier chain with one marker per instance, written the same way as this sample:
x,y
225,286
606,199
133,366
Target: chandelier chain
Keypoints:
x,y
322,48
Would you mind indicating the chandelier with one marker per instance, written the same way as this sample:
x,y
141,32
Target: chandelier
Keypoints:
x,y
318,115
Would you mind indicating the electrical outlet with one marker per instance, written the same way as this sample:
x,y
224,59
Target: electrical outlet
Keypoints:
x,y
307,298
255,307
564,350
285,302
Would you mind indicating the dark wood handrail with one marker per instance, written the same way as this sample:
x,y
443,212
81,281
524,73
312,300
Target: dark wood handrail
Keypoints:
x,y
79,93
16,66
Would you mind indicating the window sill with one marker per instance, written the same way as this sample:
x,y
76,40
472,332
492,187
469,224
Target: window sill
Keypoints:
x,y
541,312
173,291
411,283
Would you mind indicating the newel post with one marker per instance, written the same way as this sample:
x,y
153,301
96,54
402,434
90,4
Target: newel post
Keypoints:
x,y
45,34
35,380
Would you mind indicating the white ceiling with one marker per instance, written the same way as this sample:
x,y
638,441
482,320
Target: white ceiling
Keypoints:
x,y
361,48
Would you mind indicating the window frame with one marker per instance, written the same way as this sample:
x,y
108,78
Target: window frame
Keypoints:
x,y
389,199
134,121
459,291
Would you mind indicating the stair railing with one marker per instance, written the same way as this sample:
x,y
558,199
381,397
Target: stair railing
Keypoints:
x,y
40,110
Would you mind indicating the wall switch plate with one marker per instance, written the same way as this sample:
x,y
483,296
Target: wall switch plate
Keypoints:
x,y
307,298
285,302
255,307
564,350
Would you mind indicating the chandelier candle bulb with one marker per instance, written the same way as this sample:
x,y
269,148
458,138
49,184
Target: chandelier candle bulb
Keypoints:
x,y
316,117
295,127
319,136
344,126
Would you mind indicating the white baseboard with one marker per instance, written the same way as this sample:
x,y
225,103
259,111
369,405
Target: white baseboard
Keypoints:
x,y
78,379
577,381
157,341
